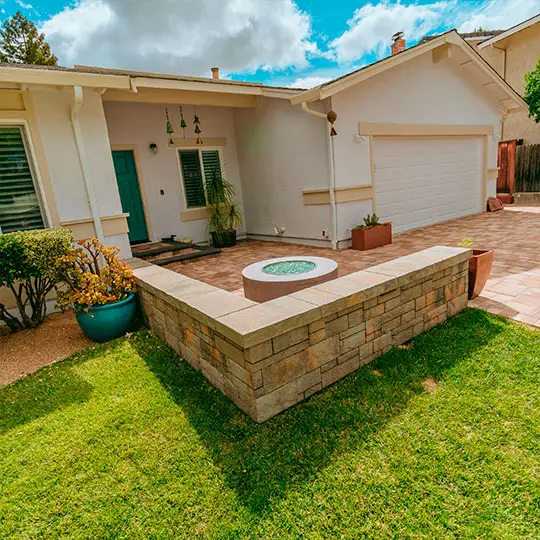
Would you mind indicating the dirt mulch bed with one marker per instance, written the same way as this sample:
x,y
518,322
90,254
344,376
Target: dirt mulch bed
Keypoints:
x,y
25,352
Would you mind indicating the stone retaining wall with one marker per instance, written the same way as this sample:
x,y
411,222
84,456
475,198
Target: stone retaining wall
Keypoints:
x,y
267,357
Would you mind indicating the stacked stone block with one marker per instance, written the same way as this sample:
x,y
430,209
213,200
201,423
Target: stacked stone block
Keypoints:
x,y
268,357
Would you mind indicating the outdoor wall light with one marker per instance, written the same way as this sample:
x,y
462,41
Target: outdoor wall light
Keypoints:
x,y
153,148
359,138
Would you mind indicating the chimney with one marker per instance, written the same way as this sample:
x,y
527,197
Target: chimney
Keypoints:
x,y
398,43
215,72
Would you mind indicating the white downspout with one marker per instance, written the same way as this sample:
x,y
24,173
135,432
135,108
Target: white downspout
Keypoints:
x,y
332,179
78,100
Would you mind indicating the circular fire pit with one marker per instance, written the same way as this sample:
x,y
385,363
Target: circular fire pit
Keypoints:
x,y
272,278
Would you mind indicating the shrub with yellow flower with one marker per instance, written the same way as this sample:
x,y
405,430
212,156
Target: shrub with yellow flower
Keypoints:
x,y
94,276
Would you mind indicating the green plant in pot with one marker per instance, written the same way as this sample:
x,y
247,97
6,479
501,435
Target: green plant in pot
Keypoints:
x,y
99,288
371,234
225,218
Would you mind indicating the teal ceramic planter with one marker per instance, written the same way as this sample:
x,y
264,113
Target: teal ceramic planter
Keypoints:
x,y
103,323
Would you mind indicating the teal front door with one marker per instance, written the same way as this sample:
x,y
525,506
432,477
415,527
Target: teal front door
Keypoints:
x,y
130,194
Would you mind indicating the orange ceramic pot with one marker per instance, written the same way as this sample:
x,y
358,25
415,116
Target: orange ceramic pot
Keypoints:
x,y
372,237
479,270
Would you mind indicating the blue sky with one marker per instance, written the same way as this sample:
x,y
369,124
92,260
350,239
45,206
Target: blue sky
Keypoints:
x,y
280,42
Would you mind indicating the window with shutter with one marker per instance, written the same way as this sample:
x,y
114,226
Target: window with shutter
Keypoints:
x,y
211,164
193,180
19,204
192,161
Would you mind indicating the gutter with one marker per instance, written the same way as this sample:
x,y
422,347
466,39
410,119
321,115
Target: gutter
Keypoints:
x,y
332,175
78,100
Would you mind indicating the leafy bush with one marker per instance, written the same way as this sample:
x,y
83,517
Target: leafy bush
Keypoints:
x,y
94,275
532,92
28,268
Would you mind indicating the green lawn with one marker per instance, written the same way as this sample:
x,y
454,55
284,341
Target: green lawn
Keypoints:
x,y
438,440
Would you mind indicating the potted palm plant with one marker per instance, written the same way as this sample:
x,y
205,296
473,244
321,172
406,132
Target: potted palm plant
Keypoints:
x,y
371,234
225,218
99,288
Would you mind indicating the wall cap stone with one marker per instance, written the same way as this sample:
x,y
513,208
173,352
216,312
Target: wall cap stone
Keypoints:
x,y
246,323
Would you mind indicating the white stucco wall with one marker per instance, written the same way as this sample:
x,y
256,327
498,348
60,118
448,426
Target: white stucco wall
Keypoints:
x,y
139,125
53,109
416,92
282,151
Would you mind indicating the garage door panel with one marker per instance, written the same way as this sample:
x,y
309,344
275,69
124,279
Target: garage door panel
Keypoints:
x,y
423,181
420,206
420,187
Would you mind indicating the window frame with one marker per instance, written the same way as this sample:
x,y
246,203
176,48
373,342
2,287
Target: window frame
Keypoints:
x,y
24,128
200,150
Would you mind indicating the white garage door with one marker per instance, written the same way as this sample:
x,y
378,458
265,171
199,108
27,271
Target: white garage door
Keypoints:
x,y
423,181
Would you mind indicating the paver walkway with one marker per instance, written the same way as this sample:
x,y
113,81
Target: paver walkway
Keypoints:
x,y
513,289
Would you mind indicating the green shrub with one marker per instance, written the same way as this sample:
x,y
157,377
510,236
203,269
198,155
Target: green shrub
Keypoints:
x,y
532,92
28,268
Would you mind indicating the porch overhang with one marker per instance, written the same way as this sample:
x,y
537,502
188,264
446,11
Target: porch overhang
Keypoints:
x,y
195,92
143,87
186,97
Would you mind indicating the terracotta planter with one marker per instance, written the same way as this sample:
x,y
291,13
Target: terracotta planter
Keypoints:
x,y
372,237
479,270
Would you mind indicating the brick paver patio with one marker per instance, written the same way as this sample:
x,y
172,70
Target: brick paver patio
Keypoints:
x,y
513,289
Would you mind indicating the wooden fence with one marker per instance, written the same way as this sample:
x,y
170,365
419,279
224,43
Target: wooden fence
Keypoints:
x,y
527,171
507,163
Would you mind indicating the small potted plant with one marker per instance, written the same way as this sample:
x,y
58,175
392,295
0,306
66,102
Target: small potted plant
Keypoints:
x,y
99,288
371,234
225,217
479,267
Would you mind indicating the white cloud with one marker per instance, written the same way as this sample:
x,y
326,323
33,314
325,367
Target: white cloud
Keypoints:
x,y
499,15
372,26
23,5
182,36
308,82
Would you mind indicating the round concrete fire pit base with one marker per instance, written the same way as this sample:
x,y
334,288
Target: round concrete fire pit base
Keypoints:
x,y
273,278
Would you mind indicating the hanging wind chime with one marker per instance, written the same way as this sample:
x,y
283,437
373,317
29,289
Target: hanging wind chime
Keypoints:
x,y
183,124
197,124
170,129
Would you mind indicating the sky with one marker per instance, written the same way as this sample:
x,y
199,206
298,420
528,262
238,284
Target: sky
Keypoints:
x,y
297,43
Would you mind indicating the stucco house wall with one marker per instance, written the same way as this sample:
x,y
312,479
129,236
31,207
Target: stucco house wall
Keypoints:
x,y
416,92
282,151
52,110
522,52
48,111
138,125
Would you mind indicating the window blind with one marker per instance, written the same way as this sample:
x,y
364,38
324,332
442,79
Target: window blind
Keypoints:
x,y
19,204
192,176
211,164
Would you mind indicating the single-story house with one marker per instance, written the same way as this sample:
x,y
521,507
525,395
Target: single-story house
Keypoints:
x,y
87,148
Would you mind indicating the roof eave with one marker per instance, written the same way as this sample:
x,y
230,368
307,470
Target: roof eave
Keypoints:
x,y
456,39
330,88
452,37
510,32
63,78
306,97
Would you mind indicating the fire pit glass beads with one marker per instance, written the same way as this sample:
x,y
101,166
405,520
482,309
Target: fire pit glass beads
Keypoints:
x,y
285,268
